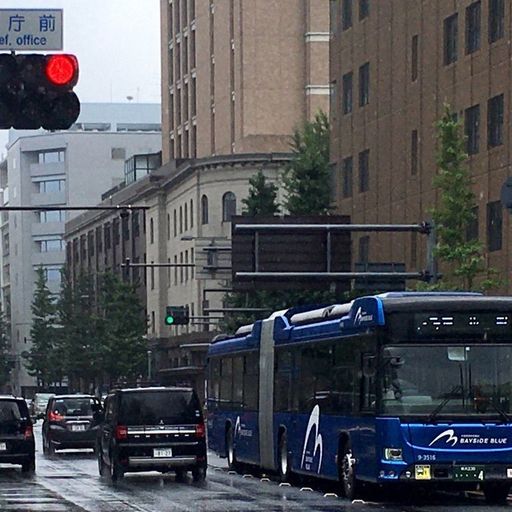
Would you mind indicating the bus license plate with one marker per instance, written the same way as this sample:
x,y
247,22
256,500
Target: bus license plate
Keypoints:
x,y
162,452
468,472
3,447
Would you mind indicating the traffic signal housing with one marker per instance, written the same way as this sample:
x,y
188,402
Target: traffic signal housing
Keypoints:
x,y
36,91
177,315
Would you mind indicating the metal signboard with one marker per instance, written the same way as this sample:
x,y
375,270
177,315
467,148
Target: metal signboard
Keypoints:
x,y
30,29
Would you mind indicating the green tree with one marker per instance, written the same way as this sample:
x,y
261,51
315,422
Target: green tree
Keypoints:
x,y
306,179
262,199
461,258
5,364
42,361
79,344
122,326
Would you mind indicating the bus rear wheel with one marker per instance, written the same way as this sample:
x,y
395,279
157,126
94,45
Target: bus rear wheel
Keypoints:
x,y
349,484
283,459
230,449
496,493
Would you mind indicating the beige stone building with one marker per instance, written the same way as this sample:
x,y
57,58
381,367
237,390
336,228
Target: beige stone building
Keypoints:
x,y
239,75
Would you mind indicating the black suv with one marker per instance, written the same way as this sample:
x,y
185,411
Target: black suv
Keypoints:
x,y
70,422
154,428
16,434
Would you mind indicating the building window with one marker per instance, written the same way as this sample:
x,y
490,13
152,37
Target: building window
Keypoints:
x,y
186,216
472,227
472,129
175,224
191,213
175,269
364,9
152,276
192,261
347,176
152,321
52,274
347,93
51,245
495,121
364,171
414,152
181,267
50,157
151,231
52,216
347,14
473,19
496,20
186,263
48,186
181,220
364,249
494,225
204,210
228,206
168,226
450,39
414,57
364,84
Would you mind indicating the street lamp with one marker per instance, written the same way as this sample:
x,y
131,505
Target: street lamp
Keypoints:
x,y
149,364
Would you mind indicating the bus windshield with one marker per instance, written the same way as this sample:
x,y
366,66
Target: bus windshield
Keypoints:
x,y
439,381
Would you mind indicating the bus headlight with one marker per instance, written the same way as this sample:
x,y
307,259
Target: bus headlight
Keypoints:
x,y
393,453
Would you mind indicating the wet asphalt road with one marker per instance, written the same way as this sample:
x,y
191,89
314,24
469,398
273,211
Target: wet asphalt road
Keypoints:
x,y
70,482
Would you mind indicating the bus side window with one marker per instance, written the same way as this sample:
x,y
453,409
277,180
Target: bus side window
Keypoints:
x,y
283,388
343,377
226,382
238,387
368,372
251,383
316,367
214,383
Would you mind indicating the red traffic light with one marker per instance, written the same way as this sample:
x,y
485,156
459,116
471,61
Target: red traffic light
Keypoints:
x,y
62,69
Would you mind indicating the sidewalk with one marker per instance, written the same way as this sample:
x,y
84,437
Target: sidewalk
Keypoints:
x,y
216,461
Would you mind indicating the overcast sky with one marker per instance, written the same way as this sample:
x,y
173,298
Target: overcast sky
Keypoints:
x,y
117,43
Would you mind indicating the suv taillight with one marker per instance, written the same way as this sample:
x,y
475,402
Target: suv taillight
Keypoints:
x,y
55,416
29,432
200,430
121,432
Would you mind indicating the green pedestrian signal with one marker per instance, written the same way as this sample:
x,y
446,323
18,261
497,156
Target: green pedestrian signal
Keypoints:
x,y
176,315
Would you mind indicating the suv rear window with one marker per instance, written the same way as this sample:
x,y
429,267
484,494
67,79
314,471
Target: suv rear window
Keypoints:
x,y
11,410
73,406
159,407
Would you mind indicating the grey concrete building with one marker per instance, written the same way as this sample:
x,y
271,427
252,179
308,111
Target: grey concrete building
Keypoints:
x,y
63,168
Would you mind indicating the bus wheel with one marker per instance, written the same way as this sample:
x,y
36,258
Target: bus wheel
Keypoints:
x,y
230,449
348,473
283,460
496,493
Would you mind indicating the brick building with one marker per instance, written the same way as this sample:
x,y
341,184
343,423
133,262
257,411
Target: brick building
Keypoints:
x,y
393,65
238,76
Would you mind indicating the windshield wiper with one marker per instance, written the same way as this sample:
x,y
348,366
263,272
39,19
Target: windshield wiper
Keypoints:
x,y
500,411
432,416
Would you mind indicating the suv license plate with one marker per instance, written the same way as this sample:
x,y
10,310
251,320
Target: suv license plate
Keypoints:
x,y
162,452
77,428
3,447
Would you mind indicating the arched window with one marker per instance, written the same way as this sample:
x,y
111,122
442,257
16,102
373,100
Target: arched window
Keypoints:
x,y
204,210
228,206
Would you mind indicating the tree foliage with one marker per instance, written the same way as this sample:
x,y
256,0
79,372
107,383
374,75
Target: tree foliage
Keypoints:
x,y
122,327
262,199
461,258
42,361
306,179
5,364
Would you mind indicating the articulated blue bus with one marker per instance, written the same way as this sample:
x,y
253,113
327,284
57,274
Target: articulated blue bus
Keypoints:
x,y
398,388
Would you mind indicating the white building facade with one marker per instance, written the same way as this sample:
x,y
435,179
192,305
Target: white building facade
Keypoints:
x,y
69,168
